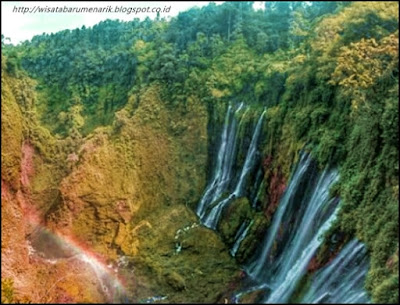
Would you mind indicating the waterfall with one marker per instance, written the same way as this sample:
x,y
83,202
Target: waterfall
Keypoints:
x,y
259,263
240,235
305,212
319,207
305,238
342,280
225,159
211,220
287,281
250,157
259,185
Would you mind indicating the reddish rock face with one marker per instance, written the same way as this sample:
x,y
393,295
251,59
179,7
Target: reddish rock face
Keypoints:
x,y
276,185
267,162
326,255
313,265
391,262
123,210
35,278
27,168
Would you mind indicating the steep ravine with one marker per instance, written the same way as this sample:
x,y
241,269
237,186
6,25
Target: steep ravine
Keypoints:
x,y
120,213
280,263
219,156
123,213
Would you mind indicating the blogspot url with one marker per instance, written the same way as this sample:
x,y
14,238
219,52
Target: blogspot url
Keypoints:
x,y
106,9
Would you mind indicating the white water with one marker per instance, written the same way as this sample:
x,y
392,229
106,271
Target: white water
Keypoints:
x,y
319,206
154,299
342,280
242,233
256,268
250,157
211,220
223,168
305,213
288,281
304,239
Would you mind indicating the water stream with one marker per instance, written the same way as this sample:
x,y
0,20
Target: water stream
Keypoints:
x,y
218,184
342,280
241,235
305,212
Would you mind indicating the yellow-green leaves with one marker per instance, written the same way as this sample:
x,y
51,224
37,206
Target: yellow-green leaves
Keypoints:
x,y
361,64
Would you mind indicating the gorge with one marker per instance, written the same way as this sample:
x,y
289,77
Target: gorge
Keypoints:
x,y
226,155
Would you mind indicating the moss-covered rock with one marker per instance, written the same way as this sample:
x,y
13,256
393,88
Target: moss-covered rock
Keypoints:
x,y
11,132
253,239
389,284
127,193
301,289
177,257
120,176
232,218
253,297
175,280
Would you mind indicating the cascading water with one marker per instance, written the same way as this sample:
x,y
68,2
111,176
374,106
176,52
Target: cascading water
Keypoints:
x,y
306,211
285,283
223,169
287,269
249,163
259,264
213,217
241,234
342,280
258,186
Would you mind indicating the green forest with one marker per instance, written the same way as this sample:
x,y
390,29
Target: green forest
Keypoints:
x,y
123,119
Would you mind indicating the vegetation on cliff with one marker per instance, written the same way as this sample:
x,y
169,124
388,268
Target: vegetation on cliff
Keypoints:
x,y
123,117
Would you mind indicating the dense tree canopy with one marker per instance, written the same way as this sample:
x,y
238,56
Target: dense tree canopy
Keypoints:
x,y
326,71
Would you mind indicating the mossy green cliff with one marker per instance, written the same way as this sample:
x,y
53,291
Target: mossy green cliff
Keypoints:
x,y
110,135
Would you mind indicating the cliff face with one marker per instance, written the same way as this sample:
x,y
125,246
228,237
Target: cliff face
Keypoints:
x,y
106,155
26,275
121,194
121,174
11,131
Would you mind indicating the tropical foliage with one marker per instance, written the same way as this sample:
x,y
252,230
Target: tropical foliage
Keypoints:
x,y
327,72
